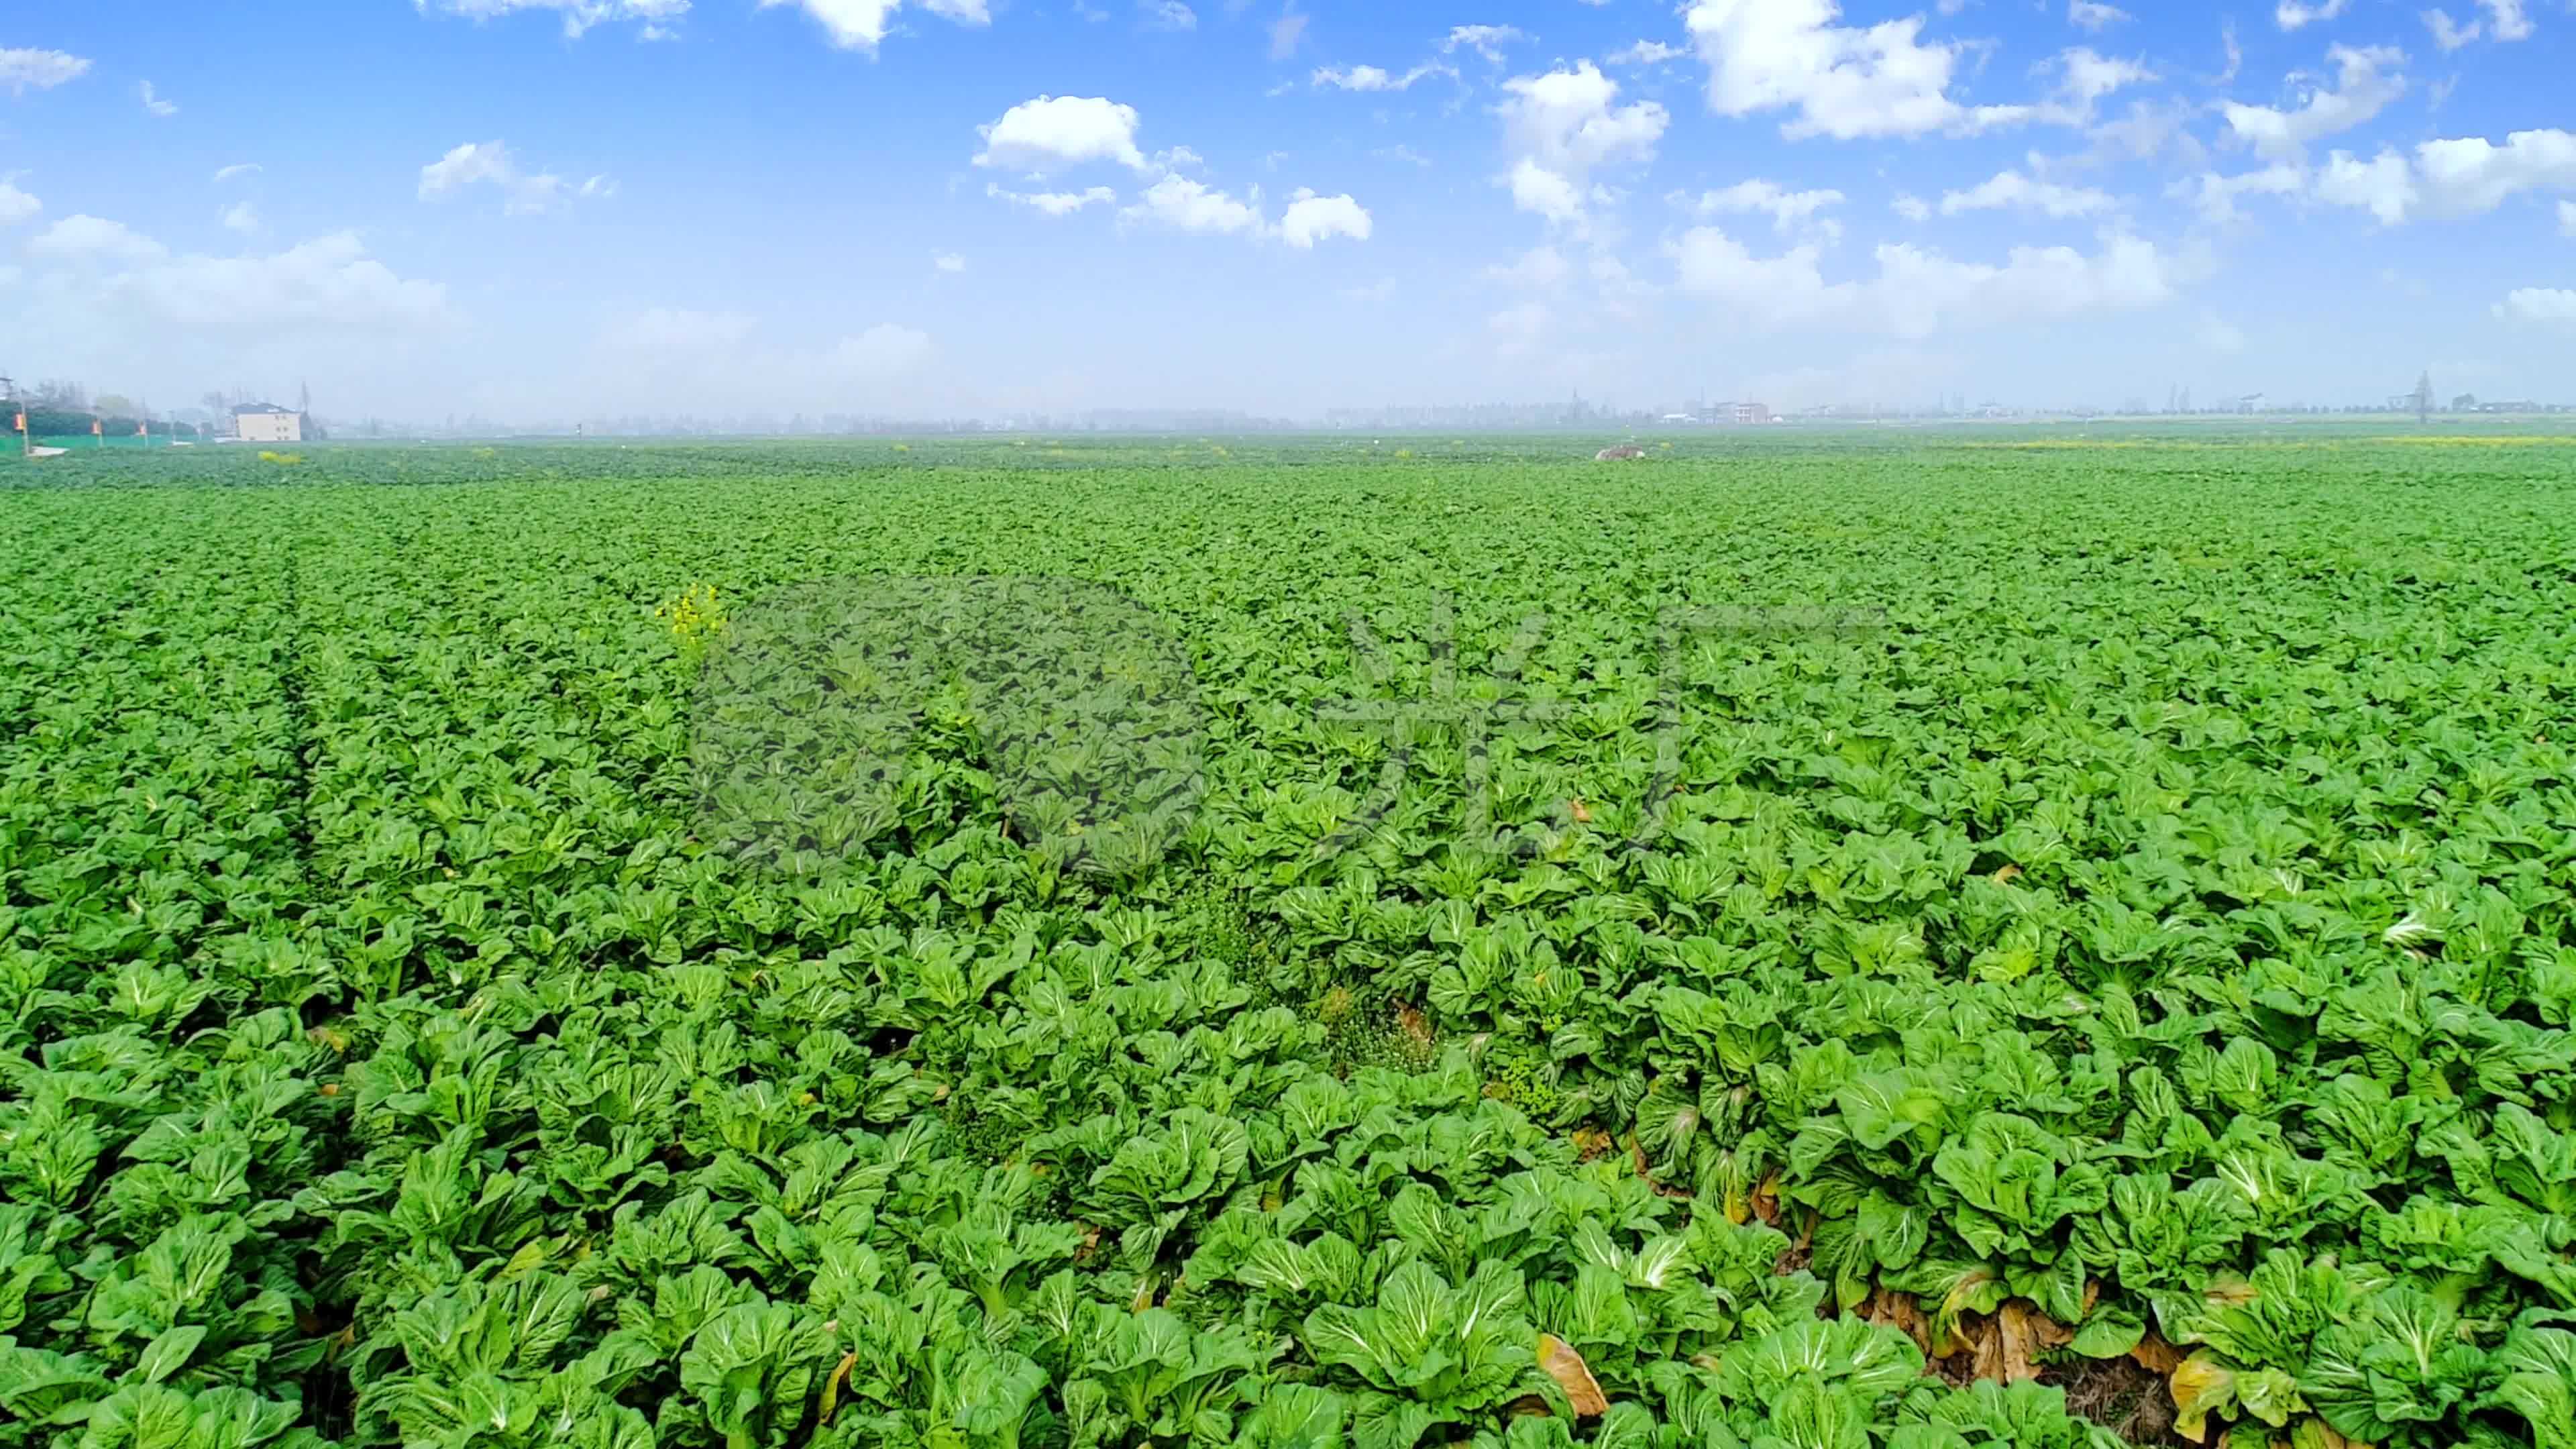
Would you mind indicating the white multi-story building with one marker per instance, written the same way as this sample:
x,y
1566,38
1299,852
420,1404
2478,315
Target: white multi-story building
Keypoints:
x,y
267,423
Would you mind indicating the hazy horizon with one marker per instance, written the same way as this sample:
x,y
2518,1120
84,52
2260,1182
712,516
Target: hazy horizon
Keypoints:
x,y
552,209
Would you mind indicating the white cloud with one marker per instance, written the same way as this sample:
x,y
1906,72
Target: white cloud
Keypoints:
x,y
2088,77
1917,292
1168,15
1790,211
2012,191
1645,52
2539,304
241,216
1285,34
1486,40
2092,15
1055,203
1843,81
2382,186
1912,208
1539,269
2215,195
328,284
479,162
948,263
1194,206
2449,34
2217,334
42,70
1373,78
17,206
2457,177
578,15
1311,218
239,168
1052,133
2362,91
85,238
154,105
1563,125
1537,189
2291,14
861,24
2506,19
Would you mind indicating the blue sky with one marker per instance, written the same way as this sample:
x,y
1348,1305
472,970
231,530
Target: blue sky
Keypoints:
x,y
542,209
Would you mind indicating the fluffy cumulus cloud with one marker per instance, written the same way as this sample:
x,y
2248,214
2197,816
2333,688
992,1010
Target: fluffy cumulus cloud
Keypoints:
x,y
2296,14
2092,15
1055,203
155,104
2554,305
17,206
2364,86
1645,52
24,70
862,24
2012,191
1842,81
1564,125
1916,292
2505,20
1167,15
1183,204
1057,133
578,16
2463,176
1311,218
490,163
947,263
1790,211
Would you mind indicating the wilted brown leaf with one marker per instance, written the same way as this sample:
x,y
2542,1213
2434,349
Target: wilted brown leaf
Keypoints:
x,y
2005,874
1529,1406
2013,1339
1581,811
1411,1021
1591,1142
1566,1366
2155,1355
1766,1201
1889,1309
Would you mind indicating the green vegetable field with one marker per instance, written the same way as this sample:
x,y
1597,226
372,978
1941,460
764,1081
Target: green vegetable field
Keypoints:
x,y
1887,944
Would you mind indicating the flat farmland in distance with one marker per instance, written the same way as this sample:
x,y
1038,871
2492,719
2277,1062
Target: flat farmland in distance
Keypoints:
x,y
1845,941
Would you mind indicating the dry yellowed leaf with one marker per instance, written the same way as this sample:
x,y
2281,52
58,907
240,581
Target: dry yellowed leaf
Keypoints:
x,y
1890,1309
1591,1142
2006,874
2198,1379
1413,1023
2013,1339
1582,812
831,1399
1566,1366
2155,1355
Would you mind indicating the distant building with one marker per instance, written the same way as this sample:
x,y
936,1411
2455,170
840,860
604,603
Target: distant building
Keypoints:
x,y
267,423
1749,412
